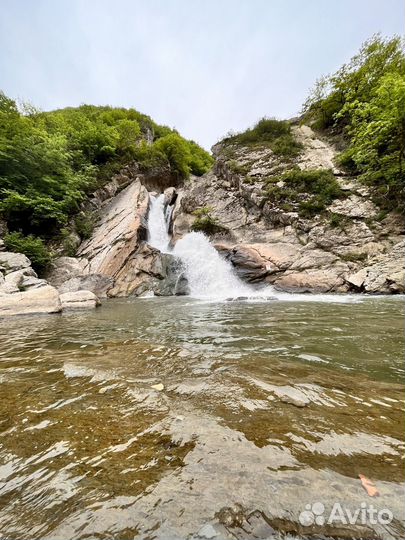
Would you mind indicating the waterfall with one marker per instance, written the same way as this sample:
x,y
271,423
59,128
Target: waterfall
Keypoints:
x,y
207,273
158,225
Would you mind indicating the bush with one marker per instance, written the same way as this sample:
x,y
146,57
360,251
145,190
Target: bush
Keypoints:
x,y
31,246
310,191
205,222
84,224
275,133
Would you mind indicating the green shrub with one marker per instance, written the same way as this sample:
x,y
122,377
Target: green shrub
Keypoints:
x,y
205,222
338,220
31,246
84,224
274,133
310,191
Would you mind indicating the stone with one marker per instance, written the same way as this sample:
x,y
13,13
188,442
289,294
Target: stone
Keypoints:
x,y
385,275
159,387
64,268
96,283
207,531
320,281
79,300
11,262
147,269
41,300
354,207
291,395
358,278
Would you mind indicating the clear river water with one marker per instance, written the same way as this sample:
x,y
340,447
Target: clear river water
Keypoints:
x,y
186,418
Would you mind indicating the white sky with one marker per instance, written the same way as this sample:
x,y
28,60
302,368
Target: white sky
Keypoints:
x,y
204,67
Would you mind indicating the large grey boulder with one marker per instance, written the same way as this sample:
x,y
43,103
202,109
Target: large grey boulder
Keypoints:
x,y
41,300
64,268
10,262
79,300
96,283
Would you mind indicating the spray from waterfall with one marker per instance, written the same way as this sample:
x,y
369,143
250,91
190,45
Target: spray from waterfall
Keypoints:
x,y
207,273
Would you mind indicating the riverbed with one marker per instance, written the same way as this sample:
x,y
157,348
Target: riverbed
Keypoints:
x,y
181,418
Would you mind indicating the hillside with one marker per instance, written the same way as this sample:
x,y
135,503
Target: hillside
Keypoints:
x,y
313,204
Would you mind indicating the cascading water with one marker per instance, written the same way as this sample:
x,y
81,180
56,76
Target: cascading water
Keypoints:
x,y
207,273
158,229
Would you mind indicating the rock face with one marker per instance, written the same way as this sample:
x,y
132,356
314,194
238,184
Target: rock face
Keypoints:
x,y
41,300
344,249
121,227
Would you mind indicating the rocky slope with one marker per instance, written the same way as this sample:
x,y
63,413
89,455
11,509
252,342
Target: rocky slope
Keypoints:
x,y
345,248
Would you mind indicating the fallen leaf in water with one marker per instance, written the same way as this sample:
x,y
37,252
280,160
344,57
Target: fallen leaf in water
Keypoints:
x,y
158,387
368,485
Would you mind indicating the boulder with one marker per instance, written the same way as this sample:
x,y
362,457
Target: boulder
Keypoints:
x,y
10,262
147,270
64,268
386,275
21,280
41,300
79,300
320,281
96,283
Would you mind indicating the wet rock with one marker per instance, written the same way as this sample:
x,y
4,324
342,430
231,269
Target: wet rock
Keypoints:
x,y
79,300
207,531
38,300
182,287
291,395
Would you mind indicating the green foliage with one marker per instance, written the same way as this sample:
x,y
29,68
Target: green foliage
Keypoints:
x,y
84,224
365,101
51,161
177,152
353,256
309,191
275,133
205,222
34,248
338,220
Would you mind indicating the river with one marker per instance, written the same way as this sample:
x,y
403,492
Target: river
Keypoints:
x,y
185,418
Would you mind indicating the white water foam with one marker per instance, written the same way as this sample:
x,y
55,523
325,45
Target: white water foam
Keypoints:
x,y
158,234
207,273
210,276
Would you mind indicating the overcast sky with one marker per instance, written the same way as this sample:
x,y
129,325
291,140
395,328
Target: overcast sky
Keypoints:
x,y
202,66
